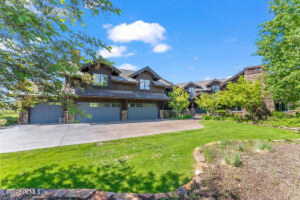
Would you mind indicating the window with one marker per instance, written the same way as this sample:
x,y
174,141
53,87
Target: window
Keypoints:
x,y
192,91
144,84
215,88
101,80
282,107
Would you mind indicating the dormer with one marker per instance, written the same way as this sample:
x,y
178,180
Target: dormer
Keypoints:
x,y
215,85
145,77
101,73
191,88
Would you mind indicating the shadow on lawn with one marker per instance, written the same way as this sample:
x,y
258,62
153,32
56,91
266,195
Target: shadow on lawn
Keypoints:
x,y
115,178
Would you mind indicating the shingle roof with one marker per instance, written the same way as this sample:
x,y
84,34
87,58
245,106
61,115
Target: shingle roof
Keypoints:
x,y
126,76
204,85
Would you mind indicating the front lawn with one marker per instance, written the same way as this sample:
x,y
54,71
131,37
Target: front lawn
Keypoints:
x,y
156,163
8,117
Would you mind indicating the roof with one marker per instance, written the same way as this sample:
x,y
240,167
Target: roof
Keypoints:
x,y
121,94
116,70
203,85
148,69
241,73
127,76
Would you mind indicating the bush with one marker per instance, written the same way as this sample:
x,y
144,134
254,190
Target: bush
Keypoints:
x,y
280,115
234,160
185,117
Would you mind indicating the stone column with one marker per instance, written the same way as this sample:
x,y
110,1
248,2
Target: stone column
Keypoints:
x,y
68,117
24,117
124,115
162,114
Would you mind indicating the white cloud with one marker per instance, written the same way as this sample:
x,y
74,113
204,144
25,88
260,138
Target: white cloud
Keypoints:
x,y
107,26
150,33
128,66
161,48
116,51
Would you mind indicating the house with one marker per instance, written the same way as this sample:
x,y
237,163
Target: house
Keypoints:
x,y
195,89
252,73
114,95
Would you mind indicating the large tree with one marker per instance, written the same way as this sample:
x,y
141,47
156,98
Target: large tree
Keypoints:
x,y
280,47
39,47
179,100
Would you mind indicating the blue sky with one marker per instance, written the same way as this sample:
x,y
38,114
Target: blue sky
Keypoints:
x,y
183,41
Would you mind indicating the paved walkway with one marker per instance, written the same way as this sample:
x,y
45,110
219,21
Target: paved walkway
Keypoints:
x,y
27,137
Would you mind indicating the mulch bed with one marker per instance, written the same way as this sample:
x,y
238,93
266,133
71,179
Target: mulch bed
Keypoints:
x,y
271,175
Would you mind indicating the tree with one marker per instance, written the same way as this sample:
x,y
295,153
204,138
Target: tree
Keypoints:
x,y
179,100
39,45
246,94
209,102
279,45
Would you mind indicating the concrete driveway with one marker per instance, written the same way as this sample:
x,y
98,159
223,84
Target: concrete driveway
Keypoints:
x,y
26,137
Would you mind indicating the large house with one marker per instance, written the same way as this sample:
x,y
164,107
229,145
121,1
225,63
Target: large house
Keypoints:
x,y
114,95
195,89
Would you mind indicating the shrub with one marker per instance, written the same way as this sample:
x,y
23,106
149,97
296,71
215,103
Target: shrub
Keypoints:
x,y
233,160
207,117
185,117
280,115
3,122
262,146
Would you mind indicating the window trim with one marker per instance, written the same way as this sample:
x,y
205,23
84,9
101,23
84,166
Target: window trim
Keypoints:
x,y
214,89
143,85
101,80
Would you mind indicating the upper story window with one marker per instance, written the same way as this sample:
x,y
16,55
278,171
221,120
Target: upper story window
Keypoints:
x,y
144,84
192,91
215,88
101,80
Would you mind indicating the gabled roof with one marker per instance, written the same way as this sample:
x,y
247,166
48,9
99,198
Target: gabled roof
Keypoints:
x,y
114,69
148,69
241,73
204,85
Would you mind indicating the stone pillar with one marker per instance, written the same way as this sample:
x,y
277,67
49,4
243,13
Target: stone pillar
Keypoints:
x,y
24,117
68,117
162,114
124,115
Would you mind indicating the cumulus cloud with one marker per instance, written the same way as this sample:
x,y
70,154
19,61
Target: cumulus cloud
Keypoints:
x,y
116,51
150,33
128,66
161,48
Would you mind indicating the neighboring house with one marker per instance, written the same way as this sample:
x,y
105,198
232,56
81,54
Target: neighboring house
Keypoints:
x,y
114,95
252,73
195,89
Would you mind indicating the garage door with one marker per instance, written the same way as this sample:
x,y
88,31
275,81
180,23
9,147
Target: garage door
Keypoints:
x,y
98,112
142,111
46,114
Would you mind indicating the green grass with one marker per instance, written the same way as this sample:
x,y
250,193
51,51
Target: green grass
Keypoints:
x,y
157,163
8,117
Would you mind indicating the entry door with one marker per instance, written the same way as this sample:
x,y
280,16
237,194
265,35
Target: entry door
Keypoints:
x,y
46,114
142,111
98,112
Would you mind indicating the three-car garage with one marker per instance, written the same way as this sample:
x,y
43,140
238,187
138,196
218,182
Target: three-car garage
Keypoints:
x,y
94,112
